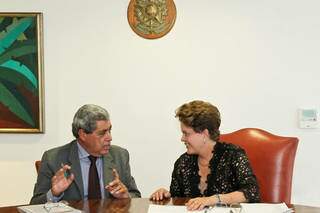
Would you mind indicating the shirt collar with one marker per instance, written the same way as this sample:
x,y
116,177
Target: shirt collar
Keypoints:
x,y
82,152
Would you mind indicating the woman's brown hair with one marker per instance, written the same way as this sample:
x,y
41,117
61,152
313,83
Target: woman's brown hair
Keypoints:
x,y
200,115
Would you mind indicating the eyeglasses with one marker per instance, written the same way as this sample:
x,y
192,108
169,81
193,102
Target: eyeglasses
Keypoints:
x,y
223,207
57,207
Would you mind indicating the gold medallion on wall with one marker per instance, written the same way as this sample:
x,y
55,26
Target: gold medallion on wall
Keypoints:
x,y
151,19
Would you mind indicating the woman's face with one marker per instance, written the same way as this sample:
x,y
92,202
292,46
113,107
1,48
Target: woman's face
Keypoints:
x,y
194,141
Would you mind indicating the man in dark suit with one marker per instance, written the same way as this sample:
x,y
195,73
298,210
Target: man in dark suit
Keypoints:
x,y
65,172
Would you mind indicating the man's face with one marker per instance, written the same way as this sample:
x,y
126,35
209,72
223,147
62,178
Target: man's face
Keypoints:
x,y
98,142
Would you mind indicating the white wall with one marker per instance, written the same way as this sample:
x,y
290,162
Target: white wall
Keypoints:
x,y
258,61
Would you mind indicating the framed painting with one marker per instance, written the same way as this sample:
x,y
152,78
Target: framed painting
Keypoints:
x,y
21,73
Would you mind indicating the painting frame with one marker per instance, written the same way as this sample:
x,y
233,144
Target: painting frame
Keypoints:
x,y
21,72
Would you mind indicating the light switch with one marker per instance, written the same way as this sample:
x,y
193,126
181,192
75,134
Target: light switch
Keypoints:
x,y
308,118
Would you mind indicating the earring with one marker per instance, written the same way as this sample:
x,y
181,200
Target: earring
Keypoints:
x,y
204,140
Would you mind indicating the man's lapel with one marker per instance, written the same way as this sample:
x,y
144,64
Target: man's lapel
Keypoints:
x,y
75,167
108,165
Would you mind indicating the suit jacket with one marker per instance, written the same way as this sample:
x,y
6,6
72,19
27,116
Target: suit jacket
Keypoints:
x,y
117,158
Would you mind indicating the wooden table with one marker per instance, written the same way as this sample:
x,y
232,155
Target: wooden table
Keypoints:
x,y
137,205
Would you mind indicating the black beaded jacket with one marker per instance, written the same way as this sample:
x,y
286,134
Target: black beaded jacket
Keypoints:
x,y
230,171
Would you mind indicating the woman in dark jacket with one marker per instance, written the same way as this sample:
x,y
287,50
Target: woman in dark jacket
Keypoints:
x,y
210,171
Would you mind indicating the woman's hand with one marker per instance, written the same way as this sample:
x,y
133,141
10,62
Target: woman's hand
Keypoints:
x,y
160,194
200,202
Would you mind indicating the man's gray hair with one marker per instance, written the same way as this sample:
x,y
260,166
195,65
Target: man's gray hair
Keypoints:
x,y
86,118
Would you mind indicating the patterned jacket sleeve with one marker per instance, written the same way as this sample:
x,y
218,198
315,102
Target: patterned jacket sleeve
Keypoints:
x,y
246,179
176,188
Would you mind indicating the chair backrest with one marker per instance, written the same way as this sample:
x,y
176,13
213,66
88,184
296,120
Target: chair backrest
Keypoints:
x,y
272,160
37,164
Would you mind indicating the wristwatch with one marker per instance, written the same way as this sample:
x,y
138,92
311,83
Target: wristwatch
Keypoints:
x,y
219,198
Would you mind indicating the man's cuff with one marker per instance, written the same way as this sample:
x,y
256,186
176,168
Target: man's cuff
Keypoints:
x,y
52,198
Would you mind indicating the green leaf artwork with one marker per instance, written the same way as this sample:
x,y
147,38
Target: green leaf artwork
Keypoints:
x,y
20,92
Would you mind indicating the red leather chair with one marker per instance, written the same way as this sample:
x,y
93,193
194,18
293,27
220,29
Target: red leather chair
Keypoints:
x,y
37,164
272,160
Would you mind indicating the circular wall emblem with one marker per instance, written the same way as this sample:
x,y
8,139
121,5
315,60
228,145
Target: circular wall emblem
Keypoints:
x,y
151,18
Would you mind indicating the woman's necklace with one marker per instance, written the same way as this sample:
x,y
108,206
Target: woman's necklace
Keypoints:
x,y
203,164
203,173
204,170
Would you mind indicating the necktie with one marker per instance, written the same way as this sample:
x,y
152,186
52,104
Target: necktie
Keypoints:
x,y
94,185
